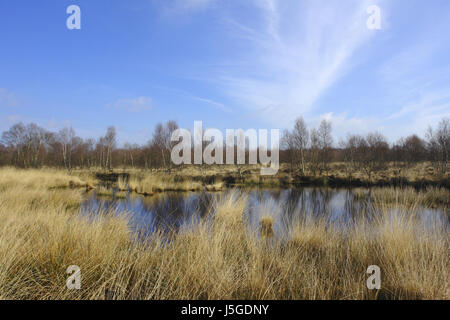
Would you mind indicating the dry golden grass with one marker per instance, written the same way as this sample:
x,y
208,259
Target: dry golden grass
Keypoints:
x,y
431,197
158,182
41,235
102,191
218,177
249,175
422,171
39,179
266,227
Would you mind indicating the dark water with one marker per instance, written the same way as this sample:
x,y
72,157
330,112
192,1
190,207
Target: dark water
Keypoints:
x,y
167,212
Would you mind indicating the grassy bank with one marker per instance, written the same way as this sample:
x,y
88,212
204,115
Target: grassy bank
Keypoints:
x,y
42,234
218,178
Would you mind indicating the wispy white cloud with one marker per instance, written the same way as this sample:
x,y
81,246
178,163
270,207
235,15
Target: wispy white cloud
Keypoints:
x,y
427,110
295,52
343,124
418,85
132,105
424,111
213,103
436,103
285,55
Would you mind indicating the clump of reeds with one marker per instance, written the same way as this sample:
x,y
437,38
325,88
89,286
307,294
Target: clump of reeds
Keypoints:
x,y
122,183
430,197
230,206
103,191
151,183
266,227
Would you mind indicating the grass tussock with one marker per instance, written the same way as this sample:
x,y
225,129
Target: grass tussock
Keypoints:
x,y
102,191
41,235
151,183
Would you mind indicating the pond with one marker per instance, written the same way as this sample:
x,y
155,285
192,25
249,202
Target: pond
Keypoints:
x,y
173,211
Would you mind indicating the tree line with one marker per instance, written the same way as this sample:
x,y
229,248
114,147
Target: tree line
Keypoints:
x,y
308,151
31,146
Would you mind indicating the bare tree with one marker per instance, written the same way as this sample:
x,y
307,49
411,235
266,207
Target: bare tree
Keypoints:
x,y
110,143
314,151
161,140
408,151
89,149
29,143
438,144
4,155
36,141
325,143
66,137
14,138
287,143
372,153
351,153
300,137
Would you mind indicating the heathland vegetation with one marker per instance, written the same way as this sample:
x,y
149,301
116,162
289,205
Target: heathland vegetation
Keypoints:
x,y
309,157
45,177
306,153
42,233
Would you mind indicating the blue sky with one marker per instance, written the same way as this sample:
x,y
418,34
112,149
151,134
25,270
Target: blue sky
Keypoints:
x,y
231,64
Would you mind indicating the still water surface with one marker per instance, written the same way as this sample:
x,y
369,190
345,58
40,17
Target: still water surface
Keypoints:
x,y
171,211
